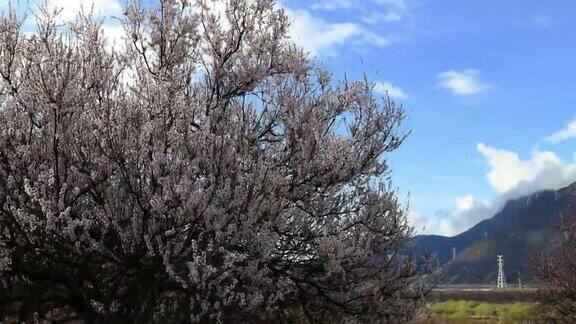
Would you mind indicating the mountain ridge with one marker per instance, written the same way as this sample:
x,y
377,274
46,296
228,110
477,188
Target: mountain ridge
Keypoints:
x,y
519,229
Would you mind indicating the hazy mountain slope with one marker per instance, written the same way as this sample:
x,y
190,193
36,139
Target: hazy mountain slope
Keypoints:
x,y
442,245
522,227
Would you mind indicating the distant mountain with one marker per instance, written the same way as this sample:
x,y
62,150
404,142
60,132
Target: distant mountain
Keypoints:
x,y
523,227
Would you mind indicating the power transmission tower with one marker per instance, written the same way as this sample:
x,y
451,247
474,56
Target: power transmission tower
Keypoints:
x,y
453,253
501,279
519,280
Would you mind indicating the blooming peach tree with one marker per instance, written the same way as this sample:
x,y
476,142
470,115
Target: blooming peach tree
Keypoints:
x,y
202,169
555,272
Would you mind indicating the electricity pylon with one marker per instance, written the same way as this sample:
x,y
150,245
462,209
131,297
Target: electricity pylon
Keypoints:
x,y
501,279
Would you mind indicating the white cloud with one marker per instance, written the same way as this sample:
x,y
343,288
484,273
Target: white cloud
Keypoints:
x,y
511,177
393,11
415,217
364,25
425,225
114,35
401,4
317,36
464,82
333,4
70,8
544,170
390,89
397,5
569,132
373,12
373,18
465,203
437,226
466,212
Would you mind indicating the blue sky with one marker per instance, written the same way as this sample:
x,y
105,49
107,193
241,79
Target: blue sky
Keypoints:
x,y
489,89
485,84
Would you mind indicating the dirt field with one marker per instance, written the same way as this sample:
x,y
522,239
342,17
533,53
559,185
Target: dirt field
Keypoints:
x,y
504,296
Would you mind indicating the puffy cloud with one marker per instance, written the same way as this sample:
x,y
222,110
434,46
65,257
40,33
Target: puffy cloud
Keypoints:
x,y
363,29
511,177
464,82
395,10
396,3
399,7
387,88
415,218
114,35
333,4
70,8
317,36
381,5
544,170
466,212
378,17
569,132
465,203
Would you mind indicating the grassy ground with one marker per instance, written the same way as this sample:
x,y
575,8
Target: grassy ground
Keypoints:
x,y
462,311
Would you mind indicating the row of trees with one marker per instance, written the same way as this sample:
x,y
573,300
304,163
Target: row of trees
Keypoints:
x,y
205,169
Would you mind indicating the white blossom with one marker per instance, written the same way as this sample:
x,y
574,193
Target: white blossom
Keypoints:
x,y
229,179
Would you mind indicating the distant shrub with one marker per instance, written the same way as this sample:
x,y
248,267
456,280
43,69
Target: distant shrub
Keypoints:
x,y
485,309
462,311
520,312
458,317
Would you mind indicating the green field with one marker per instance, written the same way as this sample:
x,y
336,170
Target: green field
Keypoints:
x,y
463,311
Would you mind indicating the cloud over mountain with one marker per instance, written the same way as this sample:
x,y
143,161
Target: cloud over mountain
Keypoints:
x,y
510,176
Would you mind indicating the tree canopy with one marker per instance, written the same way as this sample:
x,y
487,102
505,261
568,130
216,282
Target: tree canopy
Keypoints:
x,y
203,169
